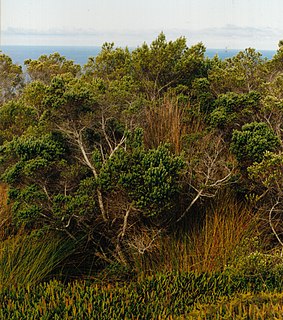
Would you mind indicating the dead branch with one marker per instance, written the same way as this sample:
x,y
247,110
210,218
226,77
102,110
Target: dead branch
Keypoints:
x,y
271,224
207,182
76,136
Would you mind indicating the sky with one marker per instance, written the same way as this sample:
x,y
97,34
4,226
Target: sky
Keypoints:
x,y
231,24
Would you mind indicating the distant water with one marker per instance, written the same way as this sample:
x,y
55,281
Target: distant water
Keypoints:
x,y
228,53
80,55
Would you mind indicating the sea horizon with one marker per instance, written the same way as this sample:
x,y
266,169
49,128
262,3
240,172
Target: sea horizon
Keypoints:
x,y
80,54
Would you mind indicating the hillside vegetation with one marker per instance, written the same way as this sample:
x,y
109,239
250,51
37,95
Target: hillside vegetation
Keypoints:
x,y
156,161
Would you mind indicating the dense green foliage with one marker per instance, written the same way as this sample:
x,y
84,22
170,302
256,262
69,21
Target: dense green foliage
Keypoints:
x,y
250,144
156,159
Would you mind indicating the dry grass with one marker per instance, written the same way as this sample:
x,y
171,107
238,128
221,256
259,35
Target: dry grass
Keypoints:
x,y
5,212
224,230
210,247
165,123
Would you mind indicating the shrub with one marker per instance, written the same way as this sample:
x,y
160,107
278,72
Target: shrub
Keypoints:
x,y
250,144
149,177
232,108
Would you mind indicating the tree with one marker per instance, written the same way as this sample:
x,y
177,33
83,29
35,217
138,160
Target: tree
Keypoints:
x,y
267,181
167,64
11,78
267,174
46,67
111,63
271,106
80,169
232,110
208,171
30,166
15,118
242,73
153,68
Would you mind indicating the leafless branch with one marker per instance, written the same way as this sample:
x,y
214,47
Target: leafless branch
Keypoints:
x,y
142,245
125,224
46,192
103,127
206,183
271,224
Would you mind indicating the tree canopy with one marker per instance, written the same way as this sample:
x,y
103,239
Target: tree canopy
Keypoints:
x,y
136,141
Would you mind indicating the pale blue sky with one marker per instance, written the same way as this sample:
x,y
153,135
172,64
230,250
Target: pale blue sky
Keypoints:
x,y
217,23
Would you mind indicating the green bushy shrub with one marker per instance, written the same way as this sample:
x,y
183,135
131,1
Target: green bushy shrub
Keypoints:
x,y
250,144
231,108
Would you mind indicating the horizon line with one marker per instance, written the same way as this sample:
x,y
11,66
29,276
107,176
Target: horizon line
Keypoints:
x,y
118,46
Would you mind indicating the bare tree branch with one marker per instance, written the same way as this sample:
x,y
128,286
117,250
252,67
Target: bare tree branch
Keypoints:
x,y
103,127
204,179
77,137
271,224
199,194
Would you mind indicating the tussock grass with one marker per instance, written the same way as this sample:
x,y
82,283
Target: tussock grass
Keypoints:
x,y
227,234
28,259
165,123
226,229
5,212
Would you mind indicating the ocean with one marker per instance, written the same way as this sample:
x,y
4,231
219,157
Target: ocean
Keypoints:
x,y
80,55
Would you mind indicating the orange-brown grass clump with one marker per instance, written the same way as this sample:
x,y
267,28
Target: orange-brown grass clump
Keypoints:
x,y
5,212
165,124
226,232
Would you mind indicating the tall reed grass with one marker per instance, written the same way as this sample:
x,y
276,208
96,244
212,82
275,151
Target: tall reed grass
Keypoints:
x,y
223,237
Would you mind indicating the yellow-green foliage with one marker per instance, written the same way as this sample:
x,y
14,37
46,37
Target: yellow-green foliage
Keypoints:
x,y
243,306
170,296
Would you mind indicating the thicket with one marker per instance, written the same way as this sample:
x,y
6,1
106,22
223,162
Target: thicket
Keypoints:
x,y
156,159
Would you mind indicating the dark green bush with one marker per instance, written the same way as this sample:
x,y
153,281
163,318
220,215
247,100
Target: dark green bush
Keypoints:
x,y
250,144
232,108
